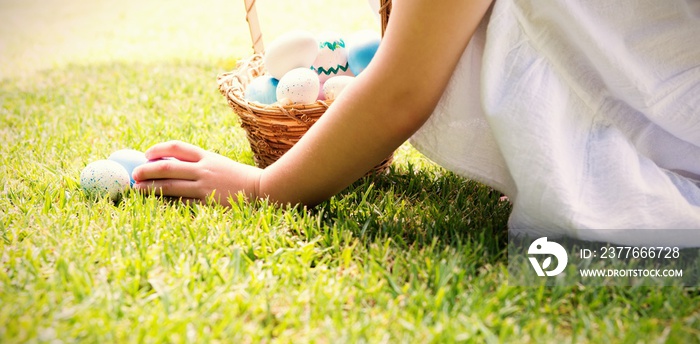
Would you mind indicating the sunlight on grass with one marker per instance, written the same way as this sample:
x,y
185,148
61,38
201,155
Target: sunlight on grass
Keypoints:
x,y
36,35
416,255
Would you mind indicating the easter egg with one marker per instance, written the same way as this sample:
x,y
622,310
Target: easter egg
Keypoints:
x,y
262,89
291,50
299,86
332,58
334,86
361,49
104,178
129,159
321,95
374,5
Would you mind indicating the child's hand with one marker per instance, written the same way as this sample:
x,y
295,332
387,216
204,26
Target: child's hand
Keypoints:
x,y
195,174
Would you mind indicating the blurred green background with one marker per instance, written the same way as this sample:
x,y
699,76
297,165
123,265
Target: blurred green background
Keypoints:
x,y
36,35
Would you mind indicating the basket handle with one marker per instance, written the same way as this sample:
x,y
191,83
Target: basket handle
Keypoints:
x,y
384,11
251,16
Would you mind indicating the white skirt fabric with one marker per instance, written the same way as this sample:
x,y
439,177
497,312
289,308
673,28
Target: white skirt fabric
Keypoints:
x,y
585,113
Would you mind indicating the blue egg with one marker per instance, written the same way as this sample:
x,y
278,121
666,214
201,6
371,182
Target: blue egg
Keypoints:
x,y
262,89
362,47
129,159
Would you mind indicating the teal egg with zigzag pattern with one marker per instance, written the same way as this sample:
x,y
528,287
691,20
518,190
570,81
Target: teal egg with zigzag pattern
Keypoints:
x,y
332,58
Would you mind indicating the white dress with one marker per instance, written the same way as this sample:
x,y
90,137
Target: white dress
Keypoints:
x,y
585,113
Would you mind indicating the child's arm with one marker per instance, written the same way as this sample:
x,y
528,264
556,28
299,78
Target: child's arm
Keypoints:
x,y
385,105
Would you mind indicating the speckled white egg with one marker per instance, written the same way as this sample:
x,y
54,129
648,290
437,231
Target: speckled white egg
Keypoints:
x,y
332,58
294,49
104,178
334,86
299,86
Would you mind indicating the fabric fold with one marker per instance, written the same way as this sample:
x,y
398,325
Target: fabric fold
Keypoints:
x,y
587,114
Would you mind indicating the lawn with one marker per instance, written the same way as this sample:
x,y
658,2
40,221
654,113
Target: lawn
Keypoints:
x,y
417,255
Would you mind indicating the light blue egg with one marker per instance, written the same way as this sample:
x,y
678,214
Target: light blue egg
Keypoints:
x,y
129,159
262,89
362,47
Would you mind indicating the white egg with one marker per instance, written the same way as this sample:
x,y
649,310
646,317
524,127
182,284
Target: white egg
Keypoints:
x,y
299,86
104,178
294,49
332,59
334,86
374,5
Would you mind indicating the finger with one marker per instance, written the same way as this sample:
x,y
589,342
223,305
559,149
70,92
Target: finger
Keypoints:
x,y
165,169
176,149
177,188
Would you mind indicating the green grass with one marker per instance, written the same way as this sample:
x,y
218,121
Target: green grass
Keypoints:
x,y
417,255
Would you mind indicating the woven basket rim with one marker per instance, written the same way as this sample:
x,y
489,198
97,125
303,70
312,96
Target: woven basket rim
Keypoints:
x,y
232,84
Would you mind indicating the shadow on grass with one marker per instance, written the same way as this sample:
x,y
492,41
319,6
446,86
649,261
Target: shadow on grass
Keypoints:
x,y
420,208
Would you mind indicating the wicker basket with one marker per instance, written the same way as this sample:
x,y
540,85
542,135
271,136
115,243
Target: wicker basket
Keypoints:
x,y
273,129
